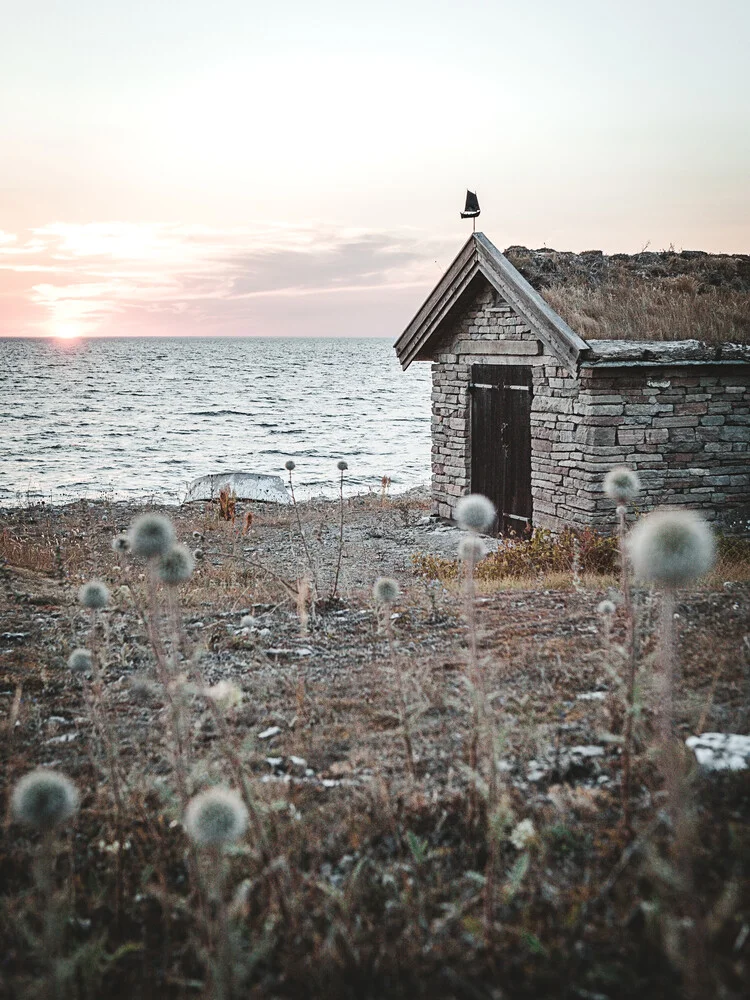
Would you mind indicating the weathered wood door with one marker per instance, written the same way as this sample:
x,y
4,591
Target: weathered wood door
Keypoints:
x,y
501,441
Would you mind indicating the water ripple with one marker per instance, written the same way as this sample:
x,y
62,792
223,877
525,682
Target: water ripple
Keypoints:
x,y
159,412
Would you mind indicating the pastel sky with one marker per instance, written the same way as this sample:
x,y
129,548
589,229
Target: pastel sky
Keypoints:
x,y
295,168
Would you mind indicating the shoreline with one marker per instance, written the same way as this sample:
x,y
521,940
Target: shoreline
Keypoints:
x,y
153,502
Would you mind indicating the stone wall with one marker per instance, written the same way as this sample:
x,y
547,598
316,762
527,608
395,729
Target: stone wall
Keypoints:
x,y
686,429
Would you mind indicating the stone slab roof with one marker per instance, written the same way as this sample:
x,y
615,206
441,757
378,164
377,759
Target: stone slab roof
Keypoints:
x,y
668,352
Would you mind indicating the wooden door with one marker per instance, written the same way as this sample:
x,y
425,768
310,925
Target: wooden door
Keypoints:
x,y
501,441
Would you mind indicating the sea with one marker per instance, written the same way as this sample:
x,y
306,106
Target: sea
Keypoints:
x,y
139,418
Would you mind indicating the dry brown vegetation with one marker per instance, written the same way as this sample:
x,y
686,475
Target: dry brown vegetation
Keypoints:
x,y
670,309
356,879
662,295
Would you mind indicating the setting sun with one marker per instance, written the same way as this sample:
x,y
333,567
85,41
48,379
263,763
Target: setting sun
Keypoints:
x,y
66,331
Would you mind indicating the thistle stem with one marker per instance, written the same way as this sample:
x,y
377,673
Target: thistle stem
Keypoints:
x,y
341,536
403,712
302,535
630,647
474,678
666,702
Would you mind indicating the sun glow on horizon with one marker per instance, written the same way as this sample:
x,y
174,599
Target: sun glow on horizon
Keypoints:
x,y
66,331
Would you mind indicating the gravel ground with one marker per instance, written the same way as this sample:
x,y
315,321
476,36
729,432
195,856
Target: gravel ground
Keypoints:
x,y
319,720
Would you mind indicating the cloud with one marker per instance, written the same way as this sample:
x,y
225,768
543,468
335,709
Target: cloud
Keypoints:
x,y
123,279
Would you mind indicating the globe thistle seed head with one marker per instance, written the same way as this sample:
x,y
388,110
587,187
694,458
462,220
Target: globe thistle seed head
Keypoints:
x,y
80,661
671,547
94,595
606,608
471,550
142,688
121,543
342,466
475,513
622,484
176,566
225,695
151,535
44,799
289,465
248,621
385,590
523,834
215,818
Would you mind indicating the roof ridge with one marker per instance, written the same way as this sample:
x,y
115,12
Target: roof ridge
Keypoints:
x,y
479,255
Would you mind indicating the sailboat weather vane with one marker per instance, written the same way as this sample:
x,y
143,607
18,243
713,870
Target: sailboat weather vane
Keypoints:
x,y
471,211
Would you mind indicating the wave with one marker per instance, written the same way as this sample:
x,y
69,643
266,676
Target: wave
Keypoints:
x,y
120,411
218,413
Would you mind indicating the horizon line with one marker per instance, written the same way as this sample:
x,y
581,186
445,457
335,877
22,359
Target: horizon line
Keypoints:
x,y
195,336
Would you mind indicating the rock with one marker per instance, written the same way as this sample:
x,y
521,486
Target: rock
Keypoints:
x,y
664,352
244,485
721,751
298,765
646,350
267,734
65,738
566,764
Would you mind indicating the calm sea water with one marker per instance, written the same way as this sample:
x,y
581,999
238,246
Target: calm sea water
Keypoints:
x,y
135,418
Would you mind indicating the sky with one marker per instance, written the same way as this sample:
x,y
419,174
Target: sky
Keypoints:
x,y
237,167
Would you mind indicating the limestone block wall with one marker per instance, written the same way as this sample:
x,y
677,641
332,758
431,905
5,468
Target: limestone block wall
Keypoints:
x,y
685,429
555,447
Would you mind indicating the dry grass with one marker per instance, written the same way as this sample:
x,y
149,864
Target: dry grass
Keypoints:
x,y
25,553
557,580
732,563
357,880
659,309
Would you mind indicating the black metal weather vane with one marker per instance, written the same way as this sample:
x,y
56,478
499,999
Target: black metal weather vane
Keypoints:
x,y
471,210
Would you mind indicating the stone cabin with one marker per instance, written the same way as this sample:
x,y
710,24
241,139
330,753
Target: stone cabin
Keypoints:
x,y
528,412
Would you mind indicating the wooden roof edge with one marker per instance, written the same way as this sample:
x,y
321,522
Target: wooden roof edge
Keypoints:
x,y
419,330
561,338
479,255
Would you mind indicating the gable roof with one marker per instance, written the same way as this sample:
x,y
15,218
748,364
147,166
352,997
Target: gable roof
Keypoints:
x,y
478,256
